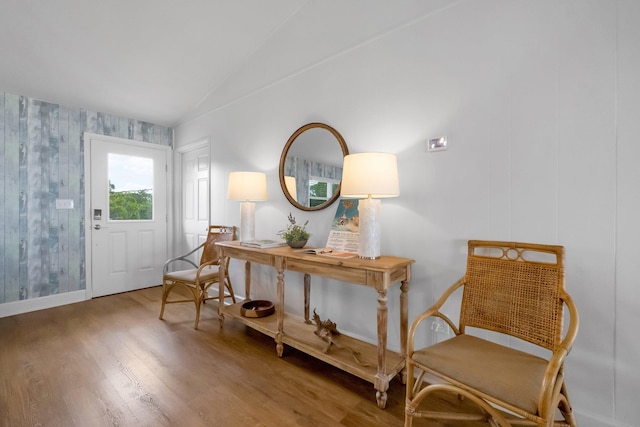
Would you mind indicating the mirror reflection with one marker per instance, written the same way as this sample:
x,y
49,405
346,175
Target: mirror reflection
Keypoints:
x,y
311,166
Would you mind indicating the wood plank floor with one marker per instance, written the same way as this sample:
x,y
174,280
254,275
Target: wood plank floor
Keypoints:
x,y
111,362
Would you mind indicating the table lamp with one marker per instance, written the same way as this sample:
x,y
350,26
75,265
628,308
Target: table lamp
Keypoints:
x,y
247,187
369,176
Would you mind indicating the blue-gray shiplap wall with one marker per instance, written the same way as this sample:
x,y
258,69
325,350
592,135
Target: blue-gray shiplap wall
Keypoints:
x,y
41,160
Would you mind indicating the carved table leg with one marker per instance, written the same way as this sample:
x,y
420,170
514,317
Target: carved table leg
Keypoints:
x,y
280,307
247,281
307,292
221,279
404,319
381,398
382,379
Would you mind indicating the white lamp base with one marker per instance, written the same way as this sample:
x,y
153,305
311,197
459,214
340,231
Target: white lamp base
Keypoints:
x,y
247,221
369,229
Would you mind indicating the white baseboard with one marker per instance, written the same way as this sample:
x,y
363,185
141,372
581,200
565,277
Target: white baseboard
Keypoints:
x,y
25,306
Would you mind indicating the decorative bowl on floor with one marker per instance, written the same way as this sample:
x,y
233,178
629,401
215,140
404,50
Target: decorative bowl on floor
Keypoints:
x,y
257,308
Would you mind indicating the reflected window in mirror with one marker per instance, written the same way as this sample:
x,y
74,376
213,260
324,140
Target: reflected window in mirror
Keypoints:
x,y
321,189
311,166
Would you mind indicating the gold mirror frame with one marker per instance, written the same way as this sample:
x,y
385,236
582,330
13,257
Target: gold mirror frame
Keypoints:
x,y
283,157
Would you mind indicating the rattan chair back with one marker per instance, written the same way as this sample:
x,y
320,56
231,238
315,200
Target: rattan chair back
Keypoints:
x,y
507,292
216,233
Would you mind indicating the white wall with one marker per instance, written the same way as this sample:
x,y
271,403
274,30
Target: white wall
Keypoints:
x,y
540,101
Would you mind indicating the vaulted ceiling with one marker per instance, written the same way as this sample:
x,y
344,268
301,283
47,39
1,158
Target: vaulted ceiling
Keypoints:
x,y
164,61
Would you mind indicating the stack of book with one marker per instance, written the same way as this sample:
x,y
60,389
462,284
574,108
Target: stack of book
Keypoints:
x,y
264,243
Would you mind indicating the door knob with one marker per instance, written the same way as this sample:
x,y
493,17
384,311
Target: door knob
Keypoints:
x,y
96,227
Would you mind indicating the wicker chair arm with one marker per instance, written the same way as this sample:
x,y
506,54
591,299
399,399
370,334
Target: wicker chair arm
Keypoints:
x,y
202,267
554,375
182,258
210,263
434,311
552,381
574,323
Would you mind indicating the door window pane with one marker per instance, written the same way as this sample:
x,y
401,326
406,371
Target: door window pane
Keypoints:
x,y
130,188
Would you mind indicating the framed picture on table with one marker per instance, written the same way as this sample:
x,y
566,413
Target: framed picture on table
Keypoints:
x,y
343,235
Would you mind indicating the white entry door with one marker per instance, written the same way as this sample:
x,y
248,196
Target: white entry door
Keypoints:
x,y
127,208
195,199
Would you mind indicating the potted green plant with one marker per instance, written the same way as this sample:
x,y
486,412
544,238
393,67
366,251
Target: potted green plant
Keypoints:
x,y
295,235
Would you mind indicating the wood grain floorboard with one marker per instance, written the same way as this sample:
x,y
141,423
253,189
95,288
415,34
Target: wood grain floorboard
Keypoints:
x,y
111,362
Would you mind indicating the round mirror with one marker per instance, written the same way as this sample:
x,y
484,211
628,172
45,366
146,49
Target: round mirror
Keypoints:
x,y
311,166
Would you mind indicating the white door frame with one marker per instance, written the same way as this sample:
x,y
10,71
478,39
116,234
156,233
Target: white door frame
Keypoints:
x,y
87,198
177,190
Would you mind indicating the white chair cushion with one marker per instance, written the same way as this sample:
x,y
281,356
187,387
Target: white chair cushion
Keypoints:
x,y
207,274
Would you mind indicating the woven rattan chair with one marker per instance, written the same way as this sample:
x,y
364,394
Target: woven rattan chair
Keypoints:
x,y
514,290
200,278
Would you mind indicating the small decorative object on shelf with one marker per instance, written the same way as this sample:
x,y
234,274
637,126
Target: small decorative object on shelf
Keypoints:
x,y
295,235
327,331
257,308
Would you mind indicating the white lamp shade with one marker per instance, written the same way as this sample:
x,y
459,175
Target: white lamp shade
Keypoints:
x,y
247,186
370,175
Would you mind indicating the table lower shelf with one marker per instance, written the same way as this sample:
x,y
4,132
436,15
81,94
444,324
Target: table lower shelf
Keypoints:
x,y
301,336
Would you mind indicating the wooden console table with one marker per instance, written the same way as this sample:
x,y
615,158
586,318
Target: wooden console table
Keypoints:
x,y
376,364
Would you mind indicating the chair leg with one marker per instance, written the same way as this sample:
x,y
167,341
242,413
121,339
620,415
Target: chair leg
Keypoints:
x,y
565,407
411,384
196,297
227,284
166,288
408,416
198,300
